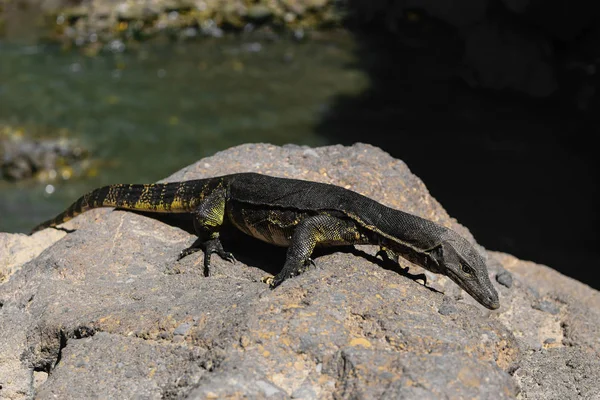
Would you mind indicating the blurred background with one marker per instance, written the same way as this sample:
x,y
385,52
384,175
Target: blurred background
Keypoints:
x,y
492,103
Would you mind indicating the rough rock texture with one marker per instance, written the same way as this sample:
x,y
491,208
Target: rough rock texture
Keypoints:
x,y
92,22
107,311
18,249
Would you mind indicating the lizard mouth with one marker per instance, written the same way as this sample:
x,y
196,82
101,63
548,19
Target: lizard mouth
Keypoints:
x,y
492,304
488,299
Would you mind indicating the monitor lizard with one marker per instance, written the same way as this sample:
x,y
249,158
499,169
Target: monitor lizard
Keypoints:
x,y
299,215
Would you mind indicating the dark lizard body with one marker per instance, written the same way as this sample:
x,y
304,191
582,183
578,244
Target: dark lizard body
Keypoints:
x,y
299,215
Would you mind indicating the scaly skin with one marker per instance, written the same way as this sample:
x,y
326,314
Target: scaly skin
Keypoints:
x,y
299,215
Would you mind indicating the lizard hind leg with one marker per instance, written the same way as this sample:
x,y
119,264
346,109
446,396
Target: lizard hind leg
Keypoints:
x,y
208,219
313,231
208,246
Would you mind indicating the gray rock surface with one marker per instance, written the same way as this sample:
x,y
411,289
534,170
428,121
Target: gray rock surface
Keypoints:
x,y
18,249
107,312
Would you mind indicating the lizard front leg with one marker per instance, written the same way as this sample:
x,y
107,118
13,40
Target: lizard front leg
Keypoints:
x,y
208,219
390,256
313,231
387,254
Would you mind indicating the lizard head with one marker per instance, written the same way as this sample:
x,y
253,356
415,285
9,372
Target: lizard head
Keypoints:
x,y
460,261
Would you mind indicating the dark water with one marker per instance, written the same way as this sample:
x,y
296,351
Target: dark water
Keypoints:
x,y
149,112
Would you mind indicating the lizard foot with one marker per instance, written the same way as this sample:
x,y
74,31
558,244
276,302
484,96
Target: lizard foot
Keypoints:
x,y
227,256
288,271
211,246
187,252
387,255
268,279
214,246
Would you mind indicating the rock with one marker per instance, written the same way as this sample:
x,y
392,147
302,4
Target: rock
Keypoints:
x,y
22,156
74,13
258,13
546,306
560,373
447,307
130,11
233,15
18,249
108,309
505,278
182,329
316,4
137,20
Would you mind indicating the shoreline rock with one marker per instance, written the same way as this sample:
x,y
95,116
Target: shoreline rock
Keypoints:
x,y
47,158
107,309
98,23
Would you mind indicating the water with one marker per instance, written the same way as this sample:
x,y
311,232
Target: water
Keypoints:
x,y
147,113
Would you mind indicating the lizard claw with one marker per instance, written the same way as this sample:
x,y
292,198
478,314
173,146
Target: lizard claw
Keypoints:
x,y
187,252
268,279
227,256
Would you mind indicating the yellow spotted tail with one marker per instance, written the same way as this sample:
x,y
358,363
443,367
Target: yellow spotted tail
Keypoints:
x,y
176,197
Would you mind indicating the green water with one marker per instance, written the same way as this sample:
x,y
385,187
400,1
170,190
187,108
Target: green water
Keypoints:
x,y
147,113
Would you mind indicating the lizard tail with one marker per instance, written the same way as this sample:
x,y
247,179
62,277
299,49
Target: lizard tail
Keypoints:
x,y
158,197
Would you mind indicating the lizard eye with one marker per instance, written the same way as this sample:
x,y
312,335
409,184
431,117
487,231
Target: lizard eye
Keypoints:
x,y
466,269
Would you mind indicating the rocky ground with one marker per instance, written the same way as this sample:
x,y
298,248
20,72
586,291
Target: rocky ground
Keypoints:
x,y
106,311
